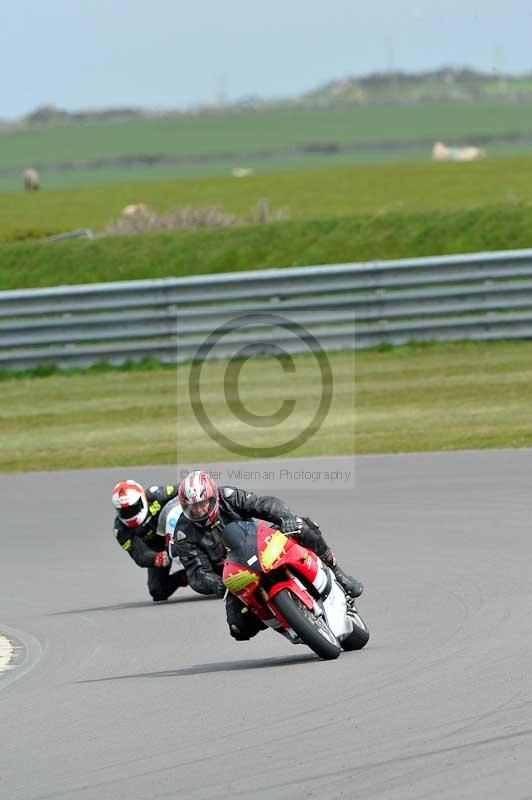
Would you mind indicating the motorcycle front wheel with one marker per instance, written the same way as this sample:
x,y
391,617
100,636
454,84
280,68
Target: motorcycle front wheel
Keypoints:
x,y
312,630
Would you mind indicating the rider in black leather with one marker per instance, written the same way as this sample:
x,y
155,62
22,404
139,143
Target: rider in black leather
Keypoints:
x,y
135,529
198,544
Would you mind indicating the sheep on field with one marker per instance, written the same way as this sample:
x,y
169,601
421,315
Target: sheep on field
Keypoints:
x,y
31,179
135,210
440,152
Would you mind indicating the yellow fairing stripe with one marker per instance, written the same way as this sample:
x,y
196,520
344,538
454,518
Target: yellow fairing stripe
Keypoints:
x,y
239,581
273,550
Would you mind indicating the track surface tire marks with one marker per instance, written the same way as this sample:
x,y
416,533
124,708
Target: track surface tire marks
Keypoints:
x,y
118,697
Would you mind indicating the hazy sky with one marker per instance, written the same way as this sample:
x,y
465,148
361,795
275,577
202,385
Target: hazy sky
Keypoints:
x,y
166,53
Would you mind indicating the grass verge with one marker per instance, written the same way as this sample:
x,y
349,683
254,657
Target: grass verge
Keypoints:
x,y
411,398
281,244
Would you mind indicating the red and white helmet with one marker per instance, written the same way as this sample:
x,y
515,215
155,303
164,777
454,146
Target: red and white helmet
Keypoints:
x,y
198,496
129,499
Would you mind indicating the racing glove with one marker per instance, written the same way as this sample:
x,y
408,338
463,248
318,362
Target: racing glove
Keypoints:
x,y
219,588
288,523
161,559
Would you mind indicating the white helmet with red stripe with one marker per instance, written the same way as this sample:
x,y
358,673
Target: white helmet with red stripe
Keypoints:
x,y
129,499
198,496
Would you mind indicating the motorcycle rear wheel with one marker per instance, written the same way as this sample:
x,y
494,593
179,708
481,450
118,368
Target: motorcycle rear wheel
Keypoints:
x,y
312,630
358,637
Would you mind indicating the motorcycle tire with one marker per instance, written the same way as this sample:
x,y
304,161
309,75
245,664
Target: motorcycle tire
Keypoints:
x,y
358,637
312,630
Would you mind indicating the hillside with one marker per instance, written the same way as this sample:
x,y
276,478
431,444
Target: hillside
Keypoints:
x,y
350,121
448,84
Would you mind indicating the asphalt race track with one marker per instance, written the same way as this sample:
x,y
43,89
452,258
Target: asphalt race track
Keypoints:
x,y
112,696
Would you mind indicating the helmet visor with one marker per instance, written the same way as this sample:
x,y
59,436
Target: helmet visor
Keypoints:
x,y
200,510
131,511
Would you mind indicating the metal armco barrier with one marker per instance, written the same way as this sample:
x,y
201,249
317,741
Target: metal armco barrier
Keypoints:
x,y
473,296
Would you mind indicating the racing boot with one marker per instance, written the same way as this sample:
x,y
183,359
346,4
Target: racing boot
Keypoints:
x,y
349,584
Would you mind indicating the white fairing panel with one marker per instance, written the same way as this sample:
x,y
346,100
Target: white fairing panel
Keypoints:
x,y
170,525
320,581
171,520
335,607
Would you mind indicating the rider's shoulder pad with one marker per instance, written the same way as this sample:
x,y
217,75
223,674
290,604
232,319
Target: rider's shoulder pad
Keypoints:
x,y
228,491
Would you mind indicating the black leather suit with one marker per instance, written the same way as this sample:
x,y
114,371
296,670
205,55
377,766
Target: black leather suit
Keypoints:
x,y
143,543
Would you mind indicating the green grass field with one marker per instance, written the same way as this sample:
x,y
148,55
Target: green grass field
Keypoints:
x,y
223,168
412,398
304,194
322,194
238,139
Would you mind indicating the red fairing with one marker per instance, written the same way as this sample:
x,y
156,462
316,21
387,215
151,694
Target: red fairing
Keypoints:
x,y
275,550
242,581
294,587
287,553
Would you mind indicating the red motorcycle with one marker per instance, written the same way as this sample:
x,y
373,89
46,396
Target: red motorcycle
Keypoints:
x,y
291,590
